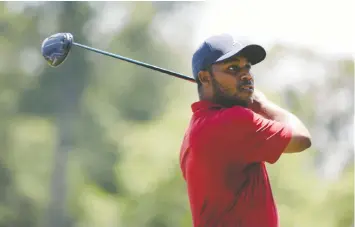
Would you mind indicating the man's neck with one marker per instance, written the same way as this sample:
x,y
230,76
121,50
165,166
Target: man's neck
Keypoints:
x,y
204,96
225,103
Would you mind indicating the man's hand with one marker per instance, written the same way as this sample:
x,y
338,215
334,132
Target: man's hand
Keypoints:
x,y
257,101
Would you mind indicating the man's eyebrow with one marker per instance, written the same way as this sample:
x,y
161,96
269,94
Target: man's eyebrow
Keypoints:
x,y
248,64
231,60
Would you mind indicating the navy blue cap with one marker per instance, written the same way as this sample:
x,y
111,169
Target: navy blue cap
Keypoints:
x,y
222,47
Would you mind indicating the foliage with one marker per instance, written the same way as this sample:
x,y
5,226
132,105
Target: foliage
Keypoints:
x,y
95,142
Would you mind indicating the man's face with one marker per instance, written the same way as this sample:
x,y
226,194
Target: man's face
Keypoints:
x,y
232,83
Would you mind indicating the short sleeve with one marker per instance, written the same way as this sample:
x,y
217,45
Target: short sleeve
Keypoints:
x,y
253,138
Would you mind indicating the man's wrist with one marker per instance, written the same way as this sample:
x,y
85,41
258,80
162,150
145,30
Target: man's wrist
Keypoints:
x,y
270,110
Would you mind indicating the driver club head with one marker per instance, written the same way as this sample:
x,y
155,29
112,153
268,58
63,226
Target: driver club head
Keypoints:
x,y
56,48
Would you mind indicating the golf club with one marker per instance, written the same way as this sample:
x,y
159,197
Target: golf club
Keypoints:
x,y
55,49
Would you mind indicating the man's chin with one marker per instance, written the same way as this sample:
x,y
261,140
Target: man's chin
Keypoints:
x,y
232,102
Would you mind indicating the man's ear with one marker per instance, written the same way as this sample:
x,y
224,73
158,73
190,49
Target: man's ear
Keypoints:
x,y
204,77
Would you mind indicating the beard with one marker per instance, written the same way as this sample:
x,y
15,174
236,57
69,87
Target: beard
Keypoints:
x,y
225,100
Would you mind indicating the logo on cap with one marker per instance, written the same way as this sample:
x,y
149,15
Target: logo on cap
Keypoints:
x,y
236,42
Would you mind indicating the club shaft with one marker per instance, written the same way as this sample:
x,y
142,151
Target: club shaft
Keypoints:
x,y
175,74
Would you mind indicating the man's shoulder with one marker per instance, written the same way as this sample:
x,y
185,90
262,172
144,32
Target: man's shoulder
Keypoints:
x,y
214,117
219,122
204,108
239,111
236,114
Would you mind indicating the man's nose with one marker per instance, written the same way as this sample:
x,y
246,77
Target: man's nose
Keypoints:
x,y
246,76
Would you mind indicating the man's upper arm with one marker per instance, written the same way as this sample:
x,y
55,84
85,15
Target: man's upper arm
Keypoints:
x,y
254,138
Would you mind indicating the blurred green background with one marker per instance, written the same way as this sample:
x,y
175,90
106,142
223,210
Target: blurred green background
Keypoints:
x,y
95,142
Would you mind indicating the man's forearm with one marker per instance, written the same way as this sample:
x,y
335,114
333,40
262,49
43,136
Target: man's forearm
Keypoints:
x,y
273,112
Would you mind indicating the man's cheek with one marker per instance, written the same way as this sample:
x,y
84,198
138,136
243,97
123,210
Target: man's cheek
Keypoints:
x,y
231,91
222,90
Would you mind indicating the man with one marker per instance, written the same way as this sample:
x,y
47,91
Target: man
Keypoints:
x,y
233,131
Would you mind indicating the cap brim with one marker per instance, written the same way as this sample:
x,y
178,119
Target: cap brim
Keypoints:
x,y
254,53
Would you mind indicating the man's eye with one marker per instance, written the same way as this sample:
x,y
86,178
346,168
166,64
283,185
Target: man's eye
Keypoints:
x,y
234,68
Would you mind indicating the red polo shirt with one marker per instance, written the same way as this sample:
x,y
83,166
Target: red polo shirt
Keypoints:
x,y
222,159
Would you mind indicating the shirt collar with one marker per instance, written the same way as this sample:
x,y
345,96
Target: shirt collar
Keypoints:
x,y
203,105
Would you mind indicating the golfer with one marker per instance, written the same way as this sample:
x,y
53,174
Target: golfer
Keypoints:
x,y
234,130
